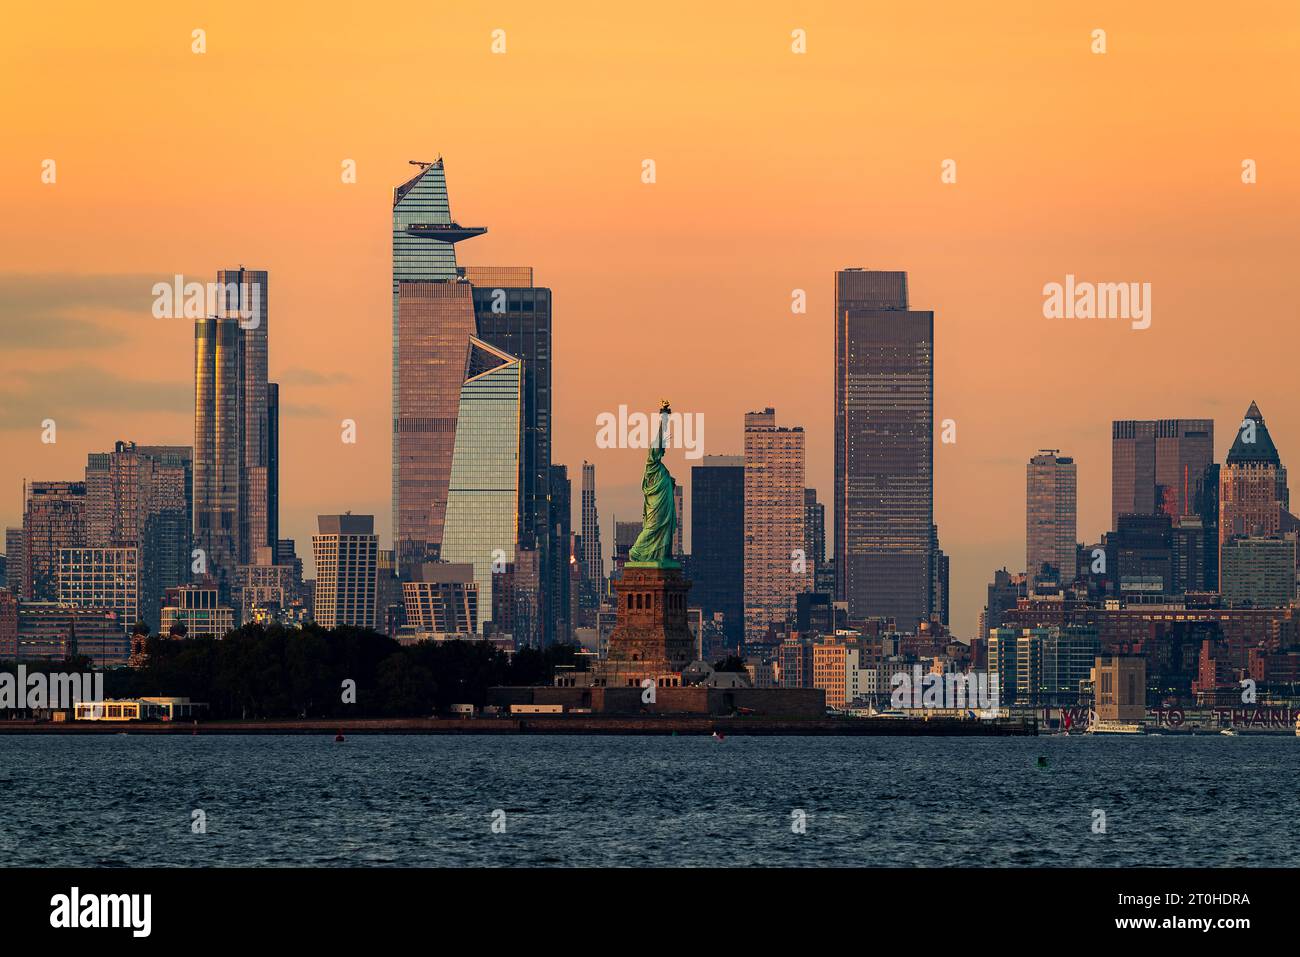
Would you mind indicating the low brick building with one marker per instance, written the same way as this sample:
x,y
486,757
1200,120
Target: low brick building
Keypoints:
x,y
769,702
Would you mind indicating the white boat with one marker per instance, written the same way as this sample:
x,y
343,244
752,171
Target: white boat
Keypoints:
x,y
1230,732
1114,727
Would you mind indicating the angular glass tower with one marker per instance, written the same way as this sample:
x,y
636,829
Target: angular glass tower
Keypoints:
x,y
482,513
433,318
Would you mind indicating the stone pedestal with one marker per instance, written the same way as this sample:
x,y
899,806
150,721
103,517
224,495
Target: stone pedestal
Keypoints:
x,y
651,639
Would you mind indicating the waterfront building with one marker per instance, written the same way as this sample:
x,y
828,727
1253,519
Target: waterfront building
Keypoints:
x,y
196,611
1119,684
442,601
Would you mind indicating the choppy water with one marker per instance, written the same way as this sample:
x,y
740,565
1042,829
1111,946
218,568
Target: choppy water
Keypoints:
x,y
648,801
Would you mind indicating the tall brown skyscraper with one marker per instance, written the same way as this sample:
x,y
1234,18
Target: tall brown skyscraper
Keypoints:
x,y
1051,505
774,522
1158,466
886,558
435,323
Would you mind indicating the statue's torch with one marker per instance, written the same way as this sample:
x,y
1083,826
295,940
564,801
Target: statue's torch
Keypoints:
x,y
665,412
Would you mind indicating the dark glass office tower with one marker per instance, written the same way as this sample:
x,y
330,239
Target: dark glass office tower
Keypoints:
x,y
1158,465
884,450
273,468
433,320
814,523
561,554
593,560
718,541
515,316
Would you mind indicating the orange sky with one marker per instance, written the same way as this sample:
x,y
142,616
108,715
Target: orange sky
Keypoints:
x,y
774,169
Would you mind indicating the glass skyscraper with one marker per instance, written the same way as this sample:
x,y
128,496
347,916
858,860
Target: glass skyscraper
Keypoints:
x,y
886,559
218,446
244,293
718,541
515,316
433,318
1158,465
482,515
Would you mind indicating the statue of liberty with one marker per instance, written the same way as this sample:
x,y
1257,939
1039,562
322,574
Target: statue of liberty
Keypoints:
x,y
654,546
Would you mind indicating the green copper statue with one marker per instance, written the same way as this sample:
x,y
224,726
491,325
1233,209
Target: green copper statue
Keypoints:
x,y
654,546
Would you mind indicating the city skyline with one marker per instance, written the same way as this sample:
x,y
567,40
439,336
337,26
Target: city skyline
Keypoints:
x,y
977,255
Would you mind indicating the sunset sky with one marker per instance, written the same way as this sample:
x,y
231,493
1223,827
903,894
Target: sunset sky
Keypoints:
x,y
773,170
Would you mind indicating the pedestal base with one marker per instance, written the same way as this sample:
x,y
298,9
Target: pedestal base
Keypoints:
x,y
651,639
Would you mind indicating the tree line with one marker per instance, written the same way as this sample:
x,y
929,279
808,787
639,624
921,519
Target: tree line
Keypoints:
x,y
275,672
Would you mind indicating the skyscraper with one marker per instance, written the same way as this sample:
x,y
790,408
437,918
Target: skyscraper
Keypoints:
x,y
1051,503
814,519
347,566
592,558
515,316
1253,495
482,514
16,564
561,578
679,511
884,450
54,518
718,541
219,447
433,320
244,293
1158,465
774,522
107,578
140,496
273,468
